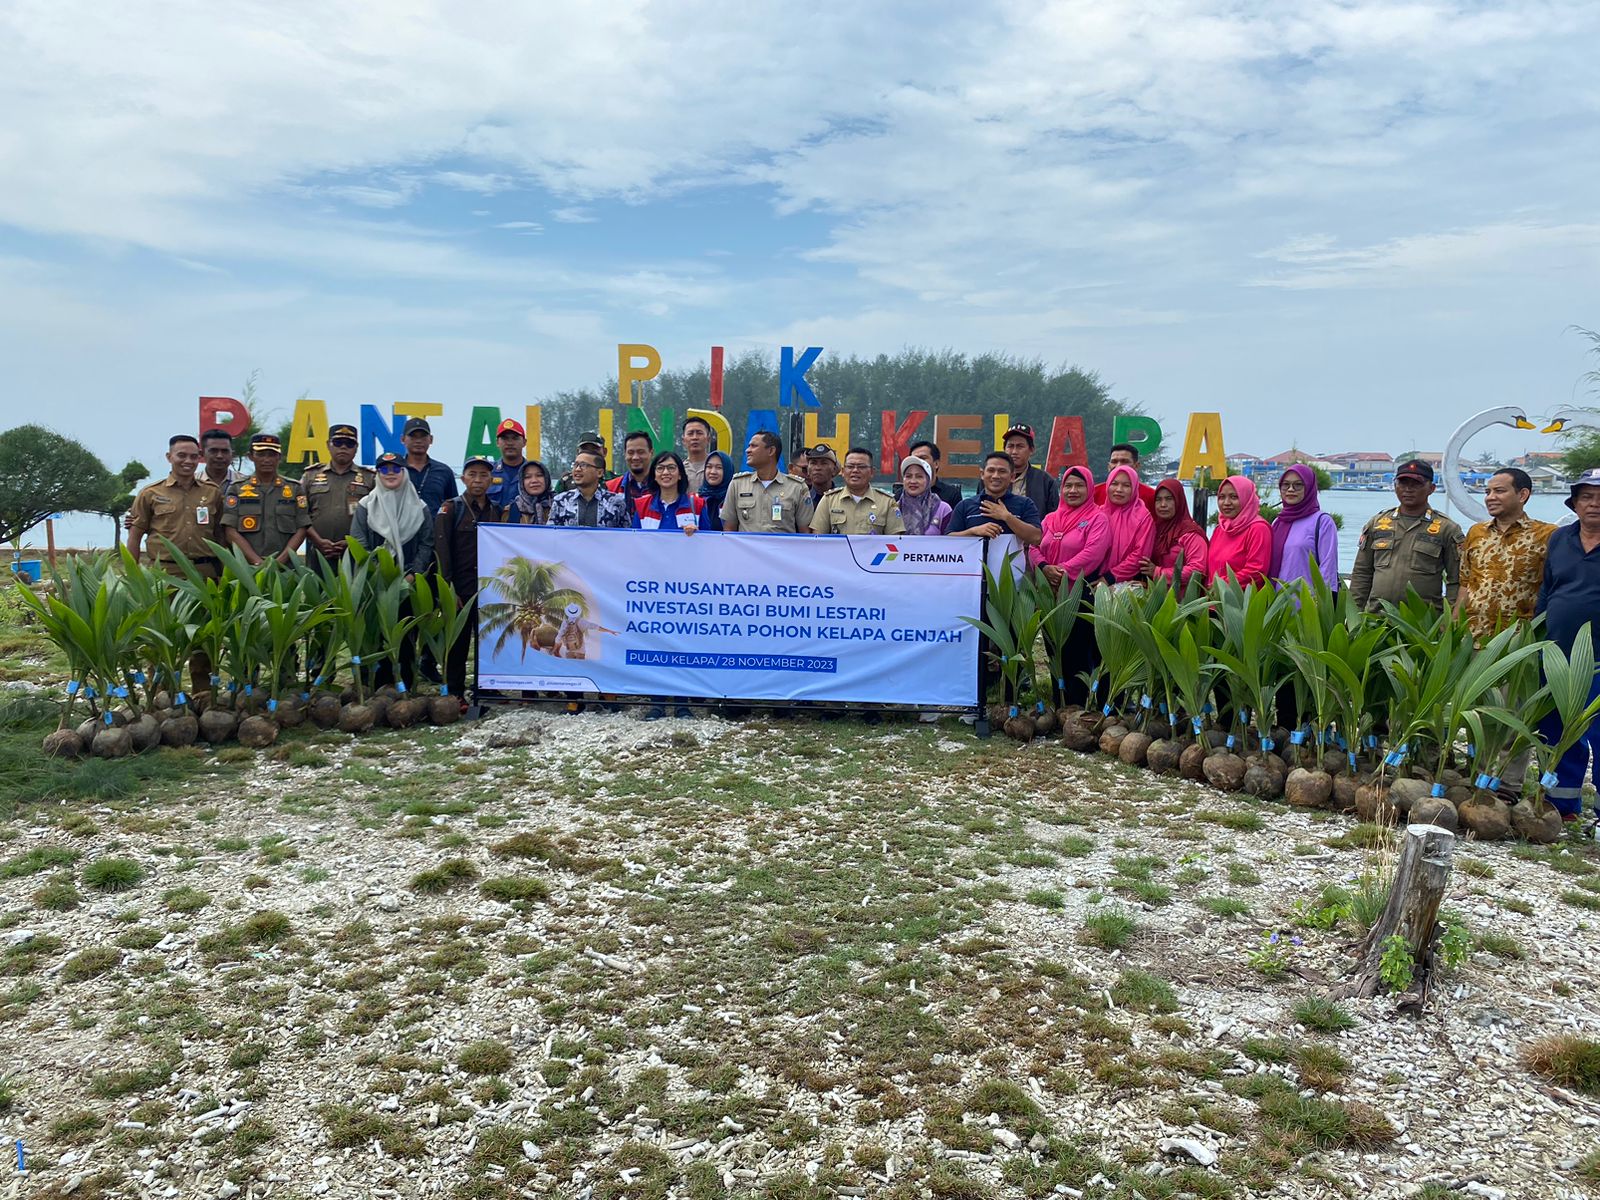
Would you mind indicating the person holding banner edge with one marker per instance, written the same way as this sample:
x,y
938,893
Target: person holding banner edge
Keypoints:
x,y
996,509
666,505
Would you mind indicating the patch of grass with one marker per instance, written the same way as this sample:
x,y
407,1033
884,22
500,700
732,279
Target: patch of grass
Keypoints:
x,y
40,858
126,1080
1075,845
1475,867
349,1127
1326,1124
448,874
1224,906
1108,928
511,888
1245,820
1365,836
59,894
1142,990
1517,905
1243,875
1322,1068
76,1127
233,942
1157,895
247,1054
1566,1060
185,899
1581,900
1046,898
87,964
1589,1167
485,1057
1501,944
1323,1015
112,874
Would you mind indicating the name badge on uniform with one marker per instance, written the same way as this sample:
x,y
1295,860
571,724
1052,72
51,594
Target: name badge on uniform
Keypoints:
x,y
202,515
872,518
777,510
350,505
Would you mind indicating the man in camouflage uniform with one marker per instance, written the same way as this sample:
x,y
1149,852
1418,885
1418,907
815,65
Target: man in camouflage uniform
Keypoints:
x,y
333,491
1410,546
266,515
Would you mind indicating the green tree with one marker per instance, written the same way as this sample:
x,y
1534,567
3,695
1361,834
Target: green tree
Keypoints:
x,y
120,499
941,381
42,472
1582,447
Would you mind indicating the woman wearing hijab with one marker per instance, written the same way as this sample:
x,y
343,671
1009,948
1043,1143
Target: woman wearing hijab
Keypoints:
x,y
392,515
532,504
1133,529
714,490
666,505
1241,544
923,511
1179,538
1302,533
1077,538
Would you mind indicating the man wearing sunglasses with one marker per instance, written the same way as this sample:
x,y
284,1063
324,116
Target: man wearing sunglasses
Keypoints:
x,y
333,490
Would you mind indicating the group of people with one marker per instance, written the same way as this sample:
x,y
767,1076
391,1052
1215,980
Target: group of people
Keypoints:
x,y
1112,532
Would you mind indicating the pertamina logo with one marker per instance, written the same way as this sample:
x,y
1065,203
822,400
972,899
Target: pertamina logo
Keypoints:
x,y
889,555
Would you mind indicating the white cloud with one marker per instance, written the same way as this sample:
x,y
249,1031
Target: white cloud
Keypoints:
x,y
573,215
1434,258
532,226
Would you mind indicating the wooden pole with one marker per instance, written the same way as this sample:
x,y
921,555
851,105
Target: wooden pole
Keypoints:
x,y
1412,913
50,541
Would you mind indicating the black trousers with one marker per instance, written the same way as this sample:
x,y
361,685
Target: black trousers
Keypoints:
x,y
455,670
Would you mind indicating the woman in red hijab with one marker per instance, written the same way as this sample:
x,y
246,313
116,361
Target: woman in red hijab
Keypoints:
x,y
1179,538
1241,544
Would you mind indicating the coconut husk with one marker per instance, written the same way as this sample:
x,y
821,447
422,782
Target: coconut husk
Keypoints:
x,y
218,725
444,710
1134,748
87,729
113,741
1334,761
123,715
258,731
1403,793
1215,739
1344,793
999,714
290,713
1435,810
1019,728
1077,733
1263,781
180,729
146,732
1045,721
1191,763
356,718
1373,803
325,711
1163,756
1305,788
1224,771
161,701
1536,820
402,713
1111,739
63,743
1159,728
379,705
1486,815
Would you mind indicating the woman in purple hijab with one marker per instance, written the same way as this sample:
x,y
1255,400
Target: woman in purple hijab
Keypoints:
x,y
1302,533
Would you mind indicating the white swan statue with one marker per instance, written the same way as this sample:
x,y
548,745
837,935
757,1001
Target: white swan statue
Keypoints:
x,y
1469,505
1567,415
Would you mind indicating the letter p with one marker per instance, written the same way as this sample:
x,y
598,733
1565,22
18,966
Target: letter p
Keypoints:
x,y
628,373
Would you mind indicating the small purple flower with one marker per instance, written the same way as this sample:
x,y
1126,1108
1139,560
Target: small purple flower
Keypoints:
x,y
1297,941
1273,940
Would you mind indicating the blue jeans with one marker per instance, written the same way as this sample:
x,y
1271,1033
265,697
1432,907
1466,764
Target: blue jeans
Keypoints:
x,y
1567,794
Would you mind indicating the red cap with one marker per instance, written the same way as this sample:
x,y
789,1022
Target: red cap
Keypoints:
x,y
510,426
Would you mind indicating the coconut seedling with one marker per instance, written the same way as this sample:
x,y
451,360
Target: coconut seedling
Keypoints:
x,y
287,615
1011,625
1059,616
1251,621
1569,683
441,622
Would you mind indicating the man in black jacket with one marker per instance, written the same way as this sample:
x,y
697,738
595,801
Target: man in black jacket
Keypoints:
x,y
455,542
1030,481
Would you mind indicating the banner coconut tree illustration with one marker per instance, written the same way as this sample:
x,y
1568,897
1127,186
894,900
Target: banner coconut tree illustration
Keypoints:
x,y
531,606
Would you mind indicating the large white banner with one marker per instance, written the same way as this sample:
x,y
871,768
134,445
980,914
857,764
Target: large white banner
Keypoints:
x,y
729,616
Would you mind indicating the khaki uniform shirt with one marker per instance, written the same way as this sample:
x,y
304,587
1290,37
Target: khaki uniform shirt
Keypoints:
x,y
1501,571
873,513
187,514
782,506
1398,552
266,517
331,498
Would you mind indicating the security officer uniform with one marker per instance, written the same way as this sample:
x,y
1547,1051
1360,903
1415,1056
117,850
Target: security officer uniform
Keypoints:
x,y
781,506
266,516
871,513
332,496
186,514
1398,552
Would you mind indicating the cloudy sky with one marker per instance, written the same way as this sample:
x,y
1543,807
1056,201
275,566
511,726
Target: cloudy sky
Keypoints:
x,y
1346,225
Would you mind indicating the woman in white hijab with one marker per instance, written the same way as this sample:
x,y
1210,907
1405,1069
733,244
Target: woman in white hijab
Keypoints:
x,y
393,515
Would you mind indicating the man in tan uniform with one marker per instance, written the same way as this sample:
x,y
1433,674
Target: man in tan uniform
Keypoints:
x,y
333,491
1411,546
857,507
265,515
761,500
183,508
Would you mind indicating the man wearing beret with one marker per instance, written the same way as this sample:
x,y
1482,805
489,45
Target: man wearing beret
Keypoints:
x,y
1410,546
265,516
333,490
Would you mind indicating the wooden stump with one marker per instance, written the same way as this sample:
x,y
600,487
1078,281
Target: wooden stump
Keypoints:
x,y
1412,914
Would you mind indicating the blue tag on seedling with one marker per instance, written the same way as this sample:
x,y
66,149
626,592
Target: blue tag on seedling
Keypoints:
x,y
1548,780
108,719
1144,701
1352,759
1267,743
272,706
1230,741
1106,711
216,679
1297,738
120,692
1206,708
1343,745
1372,741
1197,725
233,685
355,660
1494,784
89,693
72,687
1472,751
181,698
249,688
1038,706
138,676
317,682
1163,709
444,689
401,688
1481,782
1438,789
305,695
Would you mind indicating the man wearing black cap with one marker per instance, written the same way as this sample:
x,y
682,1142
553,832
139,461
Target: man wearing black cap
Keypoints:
x,y
265,515
821,467
1408,547
434,481
333,491
506,481
1030,481
455,544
